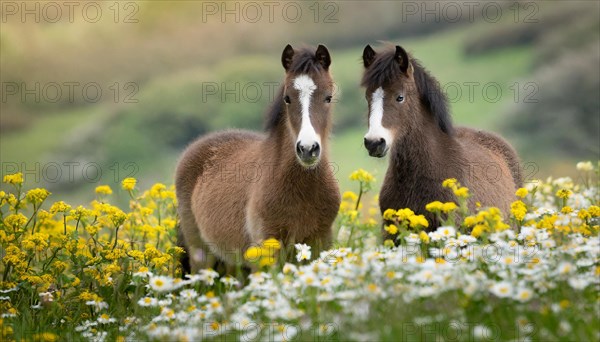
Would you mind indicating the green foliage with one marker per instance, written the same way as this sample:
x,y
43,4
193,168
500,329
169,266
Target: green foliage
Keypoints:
x,y
565,116
533,25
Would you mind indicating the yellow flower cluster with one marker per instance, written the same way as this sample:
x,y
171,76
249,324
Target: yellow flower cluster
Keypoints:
x,y
128,183
454,185
64,249
36,196
406,216
518,209
59,207
15,179
104,190
564,193
489,221
263,255
362,176
521,192
437,207
392,229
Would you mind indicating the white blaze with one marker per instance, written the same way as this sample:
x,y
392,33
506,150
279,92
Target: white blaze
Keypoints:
x,y
307,136
376,129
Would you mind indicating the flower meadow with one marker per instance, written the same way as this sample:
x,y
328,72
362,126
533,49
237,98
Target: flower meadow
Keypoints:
x,y
100,272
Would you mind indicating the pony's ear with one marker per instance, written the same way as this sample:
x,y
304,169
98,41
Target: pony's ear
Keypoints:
x,y
286,57
402,57
323,57
368,56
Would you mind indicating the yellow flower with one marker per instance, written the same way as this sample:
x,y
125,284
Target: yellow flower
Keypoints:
x,y
36,241
434,206
271,244
566,210
80,212
253,253
404,214
16,179
392,229
155,191
424,237
88,296
388,214
594,210
128,183
388,243
518,209
352,214
75,282
584,214
477,230
448,207
449,183
462,192
15,221
103,190
470,221
92,229
522,192
59,207
418,221
266,261
564,193
116,215
350,196
37,196
45,337
362,176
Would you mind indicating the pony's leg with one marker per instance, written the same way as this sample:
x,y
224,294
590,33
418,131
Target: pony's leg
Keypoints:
x,y
198,254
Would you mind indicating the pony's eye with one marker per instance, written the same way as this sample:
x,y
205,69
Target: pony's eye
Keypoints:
x,y
400,98
287,99
328,99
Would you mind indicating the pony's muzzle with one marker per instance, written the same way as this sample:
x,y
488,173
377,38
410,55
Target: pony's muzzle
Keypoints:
x,y
308,153
376,147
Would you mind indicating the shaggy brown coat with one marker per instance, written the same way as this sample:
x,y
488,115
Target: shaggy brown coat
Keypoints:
x,y
427,149
237,188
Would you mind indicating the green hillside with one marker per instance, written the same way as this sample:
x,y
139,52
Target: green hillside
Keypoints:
x,y
171,110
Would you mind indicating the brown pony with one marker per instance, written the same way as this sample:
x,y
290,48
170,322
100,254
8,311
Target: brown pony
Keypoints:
x,y
237,188
408,116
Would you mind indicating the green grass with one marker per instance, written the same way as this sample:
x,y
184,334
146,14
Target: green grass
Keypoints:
x,y
46,134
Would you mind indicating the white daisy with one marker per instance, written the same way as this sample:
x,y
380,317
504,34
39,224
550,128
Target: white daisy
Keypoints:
x,y
161,284
502,289
304,252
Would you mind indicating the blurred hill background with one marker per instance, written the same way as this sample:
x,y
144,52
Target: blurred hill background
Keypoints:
x,y
170,71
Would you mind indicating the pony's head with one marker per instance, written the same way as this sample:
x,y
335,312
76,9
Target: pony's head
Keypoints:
x,y
402,98
306,101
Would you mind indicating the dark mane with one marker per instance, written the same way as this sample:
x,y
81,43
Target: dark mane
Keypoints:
x,y
385,70
274,114
304,62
